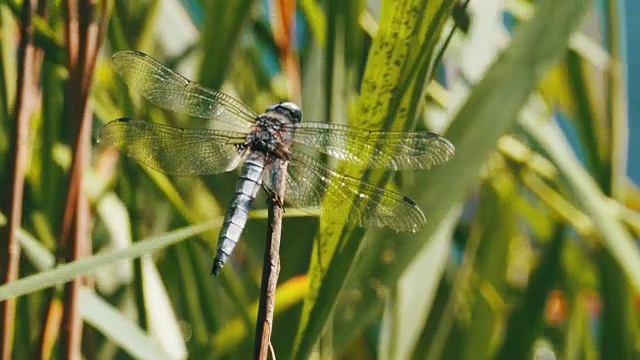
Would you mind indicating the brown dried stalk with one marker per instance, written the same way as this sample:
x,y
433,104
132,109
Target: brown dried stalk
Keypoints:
x,y
83,36
11,205
270,266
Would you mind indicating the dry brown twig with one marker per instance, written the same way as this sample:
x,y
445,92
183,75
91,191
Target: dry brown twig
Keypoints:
x,y
270,266
282,26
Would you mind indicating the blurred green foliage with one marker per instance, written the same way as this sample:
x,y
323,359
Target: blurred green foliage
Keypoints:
x,y
527,249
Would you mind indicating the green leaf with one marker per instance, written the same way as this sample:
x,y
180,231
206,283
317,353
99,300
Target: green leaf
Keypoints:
x,y
128,335
490,111
397,69
408,311
88,265
102,315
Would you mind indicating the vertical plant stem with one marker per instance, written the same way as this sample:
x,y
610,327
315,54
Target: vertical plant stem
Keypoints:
x,y
70,245
11,204
83,37
270,266
282,28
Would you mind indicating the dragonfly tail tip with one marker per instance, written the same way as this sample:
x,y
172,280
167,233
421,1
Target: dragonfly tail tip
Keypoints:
x,y
217,267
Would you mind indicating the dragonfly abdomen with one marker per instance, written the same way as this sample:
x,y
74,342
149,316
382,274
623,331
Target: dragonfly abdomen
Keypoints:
x,y
238,212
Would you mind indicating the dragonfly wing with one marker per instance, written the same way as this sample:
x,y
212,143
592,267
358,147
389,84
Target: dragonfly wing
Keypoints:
x,y
168,89
309,182
376,149
172,150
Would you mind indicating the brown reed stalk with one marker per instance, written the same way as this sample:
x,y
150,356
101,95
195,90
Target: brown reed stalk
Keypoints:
x,y
83,37
11,203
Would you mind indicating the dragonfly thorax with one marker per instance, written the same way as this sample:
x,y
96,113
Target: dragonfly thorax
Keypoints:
x,y
272,135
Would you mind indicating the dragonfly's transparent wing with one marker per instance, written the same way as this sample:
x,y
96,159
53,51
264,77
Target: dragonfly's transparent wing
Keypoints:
x,y
309,182
399,150
172,150
172,91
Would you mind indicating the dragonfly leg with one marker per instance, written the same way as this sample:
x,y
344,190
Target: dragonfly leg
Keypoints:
x,y
278,200
273,195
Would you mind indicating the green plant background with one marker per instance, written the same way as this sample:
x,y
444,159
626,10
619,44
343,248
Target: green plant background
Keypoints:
x,y
528,249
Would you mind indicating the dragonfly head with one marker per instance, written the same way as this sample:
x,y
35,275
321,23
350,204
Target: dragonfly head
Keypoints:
x,y
288,109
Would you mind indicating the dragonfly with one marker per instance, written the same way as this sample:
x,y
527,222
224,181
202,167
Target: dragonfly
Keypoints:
x,y
257,141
